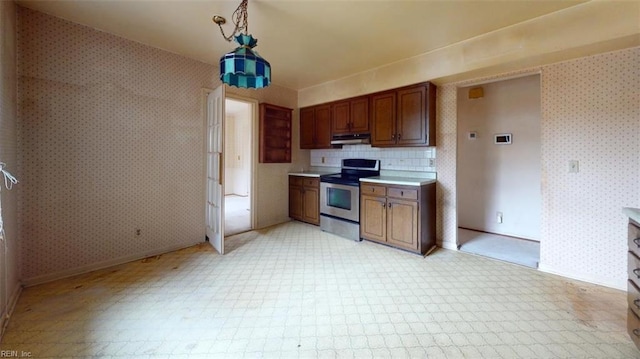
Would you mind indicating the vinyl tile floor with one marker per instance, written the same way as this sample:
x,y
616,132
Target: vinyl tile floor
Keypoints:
x,y
293,291
508,249
237,218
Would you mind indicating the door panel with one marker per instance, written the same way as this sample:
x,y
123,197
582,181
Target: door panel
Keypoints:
x,y
412,116
402,224
373,223
323,127
383,119
215,169
360,115
311,205
340,119
307,127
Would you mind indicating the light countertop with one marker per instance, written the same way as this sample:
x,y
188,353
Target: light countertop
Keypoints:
x,y
633,213
311,173
405,181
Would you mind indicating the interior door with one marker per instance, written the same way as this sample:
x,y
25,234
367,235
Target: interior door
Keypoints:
x,y
215,169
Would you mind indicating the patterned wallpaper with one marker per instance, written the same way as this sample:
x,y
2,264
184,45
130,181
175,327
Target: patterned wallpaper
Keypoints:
x,y
9,255
111,141
591,113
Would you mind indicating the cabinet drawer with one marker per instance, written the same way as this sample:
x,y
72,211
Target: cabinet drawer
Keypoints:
x,y
373,190
404,193
634,239
295,180
633,297
311,182
633,327
633,268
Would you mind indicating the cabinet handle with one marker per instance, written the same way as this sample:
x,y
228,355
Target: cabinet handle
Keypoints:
x,y
402,193
637,303
637,272
636,332
389,205
637,241
373,189
399,135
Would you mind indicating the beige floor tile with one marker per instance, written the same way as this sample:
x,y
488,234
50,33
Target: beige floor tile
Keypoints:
x,y
292,291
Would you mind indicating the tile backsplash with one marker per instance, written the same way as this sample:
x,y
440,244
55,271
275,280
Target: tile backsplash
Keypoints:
x,y
420,159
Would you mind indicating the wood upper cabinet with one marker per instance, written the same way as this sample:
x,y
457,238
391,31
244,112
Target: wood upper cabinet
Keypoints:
x,y
350,116
404,117
315,127
400,216
304,199
383,119
275,134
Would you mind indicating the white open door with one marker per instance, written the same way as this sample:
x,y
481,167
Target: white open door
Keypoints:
x,y
215,169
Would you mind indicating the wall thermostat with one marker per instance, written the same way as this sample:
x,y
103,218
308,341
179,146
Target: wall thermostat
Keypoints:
x,y
502,139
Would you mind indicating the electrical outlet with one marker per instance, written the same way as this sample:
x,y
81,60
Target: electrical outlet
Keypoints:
x,y
137,232
432,162
574,166
323,159
499,217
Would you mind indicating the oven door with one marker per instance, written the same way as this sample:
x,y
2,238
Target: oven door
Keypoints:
x,y
340,201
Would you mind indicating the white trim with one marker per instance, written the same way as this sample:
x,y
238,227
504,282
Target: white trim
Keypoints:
x,y
581,277
11,305
449,245
102,265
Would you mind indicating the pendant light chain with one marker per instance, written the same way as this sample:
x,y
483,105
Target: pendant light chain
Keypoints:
x,y
240,20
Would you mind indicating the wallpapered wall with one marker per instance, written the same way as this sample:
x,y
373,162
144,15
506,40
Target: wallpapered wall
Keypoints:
x,y
590,113
111,140
9,255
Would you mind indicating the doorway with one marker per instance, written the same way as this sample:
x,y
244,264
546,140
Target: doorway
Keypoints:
x,y
499,169
237,166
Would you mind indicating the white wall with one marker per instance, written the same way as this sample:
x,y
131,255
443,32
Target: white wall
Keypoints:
x,y
500,178
9,244
237,150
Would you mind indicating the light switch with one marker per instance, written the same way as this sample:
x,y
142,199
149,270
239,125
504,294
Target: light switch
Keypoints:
x,y
574,166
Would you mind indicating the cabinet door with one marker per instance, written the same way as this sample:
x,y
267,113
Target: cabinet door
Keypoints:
x,y
311,206
295,202
323,126
359,114
402,223
373,215
307,128
383,119
412,116
340,119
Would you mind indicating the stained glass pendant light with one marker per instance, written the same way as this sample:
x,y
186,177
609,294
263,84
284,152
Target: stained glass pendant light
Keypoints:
x,y
242,67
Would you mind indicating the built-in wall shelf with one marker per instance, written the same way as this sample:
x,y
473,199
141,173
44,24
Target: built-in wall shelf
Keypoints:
x,y
275,134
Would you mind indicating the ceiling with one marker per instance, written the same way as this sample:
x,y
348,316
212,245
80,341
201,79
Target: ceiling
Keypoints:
x,y
307,42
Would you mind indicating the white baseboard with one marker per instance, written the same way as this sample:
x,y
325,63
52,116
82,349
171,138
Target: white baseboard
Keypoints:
x,y
449,245
28,282
6,315
583,278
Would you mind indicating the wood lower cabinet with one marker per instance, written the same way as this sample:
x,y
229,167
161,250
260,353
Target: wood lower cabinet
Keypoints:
x,y
399,216
304,199
633,282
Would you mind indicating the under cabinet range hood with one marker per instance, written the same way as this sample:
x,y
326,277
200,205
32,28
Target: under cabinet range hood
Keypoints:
x,y
352,139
